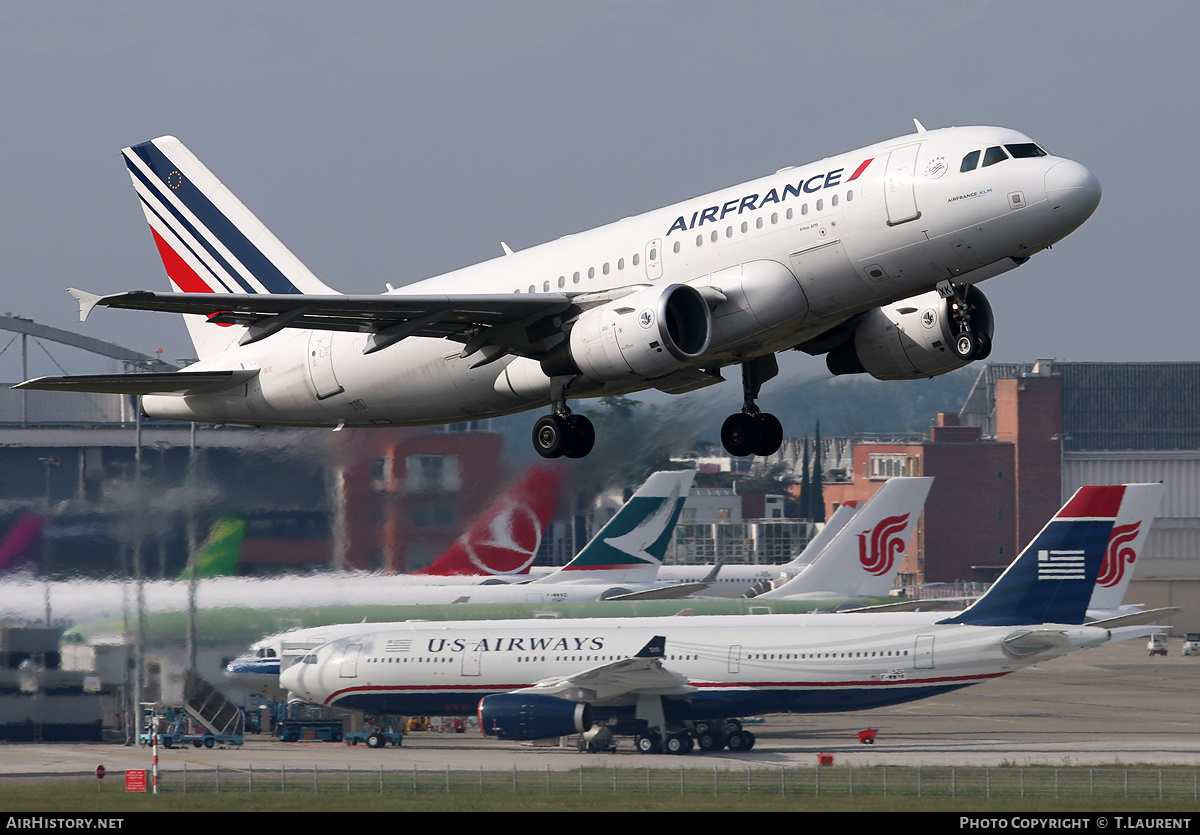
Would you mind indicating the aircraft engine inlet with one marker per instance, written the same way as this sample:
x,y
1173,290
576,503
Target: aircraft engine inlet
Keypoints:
x,y
644,335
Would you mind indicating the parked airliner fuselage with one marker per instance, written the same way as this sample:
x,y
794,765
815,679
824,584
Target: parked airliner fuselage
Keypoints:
x,y
788,260
734,666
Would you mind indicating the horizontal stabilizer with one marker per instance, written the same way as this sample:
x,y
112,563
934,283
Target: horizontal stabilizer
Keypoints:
x,y
167,382
1135,618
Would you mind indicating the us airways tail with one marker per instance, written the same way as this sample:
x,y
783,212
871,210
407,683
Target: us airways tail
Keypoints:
x,y
209,242
504,540
1052,580
862,558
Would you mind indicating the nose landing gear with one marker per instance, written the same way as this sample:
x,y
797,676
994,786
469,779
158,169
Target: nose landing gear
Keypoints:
x,y
970,343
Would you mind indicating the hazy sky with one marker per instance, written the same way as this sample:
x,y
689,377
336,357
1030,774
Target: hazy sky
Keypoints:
x,y
391,141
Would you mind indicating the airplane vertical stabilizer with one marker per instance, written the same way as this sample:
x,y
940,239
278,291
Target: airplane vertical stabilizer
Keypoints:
x,y
1051,581
209,242
861,560
504,539
631,547
1128,537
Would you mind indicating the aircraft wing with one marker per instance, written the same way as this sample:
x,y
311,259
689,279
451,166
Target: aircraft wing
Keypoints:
x,y
618,682
662,593
166,382
389,315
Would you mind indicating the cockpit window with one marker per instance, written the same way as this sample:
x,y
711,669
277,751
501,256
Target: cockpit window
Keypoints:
x,y
994,155
309,659
1025,150
970,161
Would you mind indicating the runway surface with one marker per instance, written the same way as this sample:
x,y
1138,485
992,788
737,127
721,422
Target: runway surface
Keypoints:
x,y
1108,705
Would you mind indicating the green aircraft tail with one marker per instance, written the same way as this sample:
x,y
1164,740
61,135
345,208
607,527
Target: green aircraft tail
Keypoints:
x,y
219,554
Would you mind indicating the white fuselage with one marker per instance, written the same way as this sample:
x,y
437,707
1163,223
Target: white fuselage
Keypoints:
x,y
737,664
792,254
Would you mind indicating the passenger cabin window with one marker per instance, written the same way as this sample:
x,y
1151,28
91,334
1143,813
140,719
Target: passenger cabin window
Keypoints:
x,y
970,161
994,155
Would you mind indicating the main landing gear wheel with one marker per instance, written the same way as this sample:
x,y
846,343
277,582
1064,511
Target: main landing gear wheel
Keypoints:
x,y
583,436
557,435
740,741
751,434
648,744
966,345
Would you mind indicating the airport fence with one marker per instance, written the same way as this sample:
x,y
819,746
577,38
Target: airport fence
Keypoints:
x,y
1004,782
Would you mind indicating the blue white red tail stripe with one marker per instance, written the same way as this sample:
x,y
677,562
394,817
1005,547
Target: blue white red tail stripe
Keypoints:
x,y
212,225
1052,580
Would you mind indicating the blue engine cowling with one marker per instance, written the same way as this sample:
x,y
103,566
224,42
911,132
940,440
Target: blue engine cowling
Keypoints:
x,y
520,716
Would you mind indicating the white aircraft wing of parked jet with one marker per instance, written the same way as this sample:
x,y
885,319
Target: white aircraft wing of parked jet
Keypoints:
x,y
870,257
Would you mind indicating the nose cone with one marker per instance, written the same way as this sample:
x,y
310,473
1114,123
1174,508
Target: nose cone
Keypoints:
x,y
1073,192
292,679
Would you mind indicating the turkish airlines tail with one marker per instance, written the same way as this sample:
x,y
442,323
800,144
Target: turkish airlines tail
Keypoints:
x,y
504,540
209,242
23,544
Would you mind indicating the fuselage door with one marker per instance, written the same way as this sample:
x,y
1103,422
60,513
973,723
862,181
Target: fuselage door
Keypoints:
x,y
899,193
320,364
654,259
923,653
472,659
735,658
349,666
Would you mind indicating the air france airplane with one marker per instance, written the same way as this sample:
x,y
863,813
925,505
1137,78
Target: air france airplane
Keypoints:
x,y
870,257
676,679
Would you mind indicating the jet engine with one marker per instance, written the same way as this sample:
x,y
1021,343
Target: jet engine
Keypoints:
x,y
917,337
646,334
522,716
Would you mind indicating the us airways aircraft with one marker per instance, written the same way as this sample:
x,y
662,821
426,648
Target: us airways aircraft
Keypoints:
x,y
676,679
870,257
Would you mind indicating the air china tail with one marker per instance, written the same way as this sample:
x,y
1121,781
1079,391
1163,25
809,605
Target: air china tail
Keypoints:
x,y
862,559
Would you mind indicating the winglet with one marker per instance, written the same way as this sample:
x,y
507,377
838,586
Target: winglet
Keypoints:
x,y
87,301
655,648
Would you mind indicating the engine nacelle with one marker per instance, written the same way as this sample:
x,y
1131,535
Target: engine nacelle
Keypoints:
x,y
644,335
522,716
913,338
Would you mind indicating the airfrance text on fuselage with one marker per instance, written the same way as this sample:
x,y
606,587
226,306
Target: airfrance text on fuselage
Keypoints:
x,y
751,202
516,644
